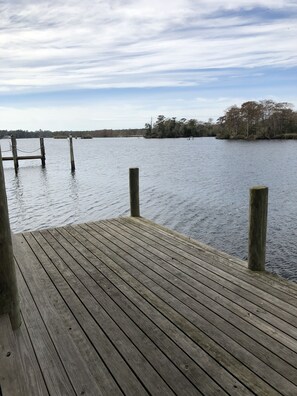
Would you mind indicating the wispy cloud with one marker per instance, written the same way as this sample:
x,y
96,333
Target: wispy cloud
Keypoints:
x,y
50,45
80,64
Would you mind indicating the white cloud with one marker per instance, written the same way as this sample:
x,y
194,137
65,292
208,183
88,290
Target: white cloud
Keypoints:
x,y
48,45
196,45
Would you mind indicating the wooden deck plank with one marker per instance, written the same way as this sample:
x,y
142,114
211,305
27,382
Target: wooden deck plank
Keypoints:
x,y
138,363
11,383
53,371
271,279
213,294
169,307
47,300
125,306
266,310
33,377
279,293
162,365
124,376
240,329
126,285
86,259
218,331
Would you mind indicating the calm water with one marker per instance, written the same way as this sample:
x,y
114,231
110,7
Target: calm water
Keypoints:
x,y
199,187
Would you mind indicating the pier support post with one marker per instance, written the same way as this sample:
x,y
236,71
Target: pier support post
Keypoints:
x,y
14,153
71,154
257,228
134,191
42,152
9,299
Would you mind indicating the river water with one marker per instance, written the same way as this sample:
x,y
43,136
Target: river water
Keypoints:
x,y
198,187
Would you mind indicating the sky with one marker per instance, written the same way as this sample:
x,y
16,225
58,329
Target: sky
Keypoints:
x,y
96,64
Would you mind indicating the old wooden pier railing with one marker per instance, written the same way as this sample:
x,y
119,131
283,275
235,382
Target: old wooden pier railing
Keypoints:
x,y
16,158
125,306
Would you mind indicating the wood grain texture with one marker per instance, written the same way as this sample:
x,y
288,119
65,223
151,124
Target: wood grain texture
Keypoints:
x,y
52,311
211,301
72,162
257,228
211,335
149,320
32,376
125,306
11,383
217,276
153,355
134,192
9,298
281,304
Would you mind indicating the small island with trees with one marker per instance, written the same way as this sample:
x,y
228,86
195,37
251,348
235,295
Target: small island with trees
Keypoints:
x,y
265,119
173,128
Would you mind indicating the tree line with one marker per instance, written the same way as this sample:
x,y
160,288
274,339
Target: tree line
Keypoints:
x,y
265,119
20,133
172,128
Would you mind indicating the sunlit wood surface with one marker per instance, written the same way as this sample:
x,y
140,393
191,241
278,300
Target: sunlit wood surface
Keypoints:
x,y
125,306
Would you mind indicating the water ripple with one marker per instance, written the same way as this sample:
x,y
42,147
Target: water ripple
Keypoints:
x,y
197,187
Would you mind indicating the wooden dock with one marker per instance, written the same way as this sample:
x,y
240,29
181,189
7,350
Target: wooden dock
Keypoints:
x,y
125,306
16,158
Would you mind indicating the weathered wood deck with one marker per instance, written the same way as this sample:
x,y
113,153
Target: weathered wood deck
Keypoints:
x,y
127,307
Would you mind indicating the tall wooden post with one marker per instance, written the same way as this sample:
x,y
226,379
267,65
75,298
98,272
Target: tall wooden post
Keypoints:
x,y
71,154
14,153
9,300
257,228
134,191
42,152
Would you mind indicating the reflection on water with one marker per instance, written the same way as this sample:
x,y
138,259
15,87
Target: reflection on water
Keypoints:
x,y
198,187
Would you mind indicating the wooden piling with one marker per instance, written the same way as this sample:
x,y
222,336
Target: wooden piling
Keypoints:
x,y
42,152
9,300
14,153
257,228
134,192
71,154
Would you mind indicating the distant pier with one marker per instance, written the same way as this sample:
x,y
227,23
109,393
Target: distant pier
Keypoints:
x,y
16,157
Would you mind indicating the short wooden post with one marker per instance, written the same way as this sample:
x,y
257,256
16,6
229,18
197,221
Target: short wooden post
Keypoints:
x,y
257,228
42,152
14,153
134,192
9,299
71,154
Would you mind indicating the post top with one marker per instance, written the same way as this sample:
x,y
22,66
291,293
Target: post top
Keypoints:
x,y
259,188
